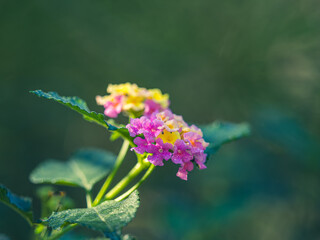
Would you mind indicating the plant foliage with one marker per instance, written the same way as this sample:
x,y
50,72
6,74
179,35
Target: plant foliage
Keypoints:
x,y
84,169
22,205
108,217
219,133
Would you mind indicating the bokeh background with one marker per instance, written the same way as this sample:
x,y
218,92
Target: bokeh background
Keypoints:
x,y
252,60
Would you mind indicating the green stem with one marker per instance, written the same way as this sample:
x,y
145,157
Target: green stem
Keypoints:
x,y
63,231
138,168
137,185
103,190
89,199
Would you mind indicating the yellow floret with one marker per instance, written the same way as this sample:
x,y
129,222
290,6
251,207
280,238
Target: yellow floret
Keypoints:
x,y
122,89
135,103
101,100
169,137
156,95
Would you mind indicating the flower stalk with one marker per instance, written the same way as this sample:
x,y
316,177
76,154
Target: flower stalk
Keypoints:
x,y
137,185
63,231
135,171
120,158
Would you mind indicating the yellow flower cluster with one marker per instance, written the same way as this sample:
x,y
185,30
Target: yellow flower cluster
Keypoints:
x,y
131,98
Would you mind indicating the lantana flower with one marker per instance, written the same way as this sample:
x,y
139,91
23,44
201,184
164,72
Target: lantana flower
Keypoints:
x,y
164,136
132,100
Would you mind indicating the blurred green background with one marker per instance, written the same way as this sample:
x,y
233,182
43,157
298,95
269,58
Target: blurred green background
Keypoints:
x,y
255,61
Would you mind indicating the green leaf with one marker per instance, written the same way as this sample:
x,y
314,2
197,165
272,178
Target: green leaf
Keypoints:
x,y
125,133
219,133
84,169
76,104
108,217
80,106
22,205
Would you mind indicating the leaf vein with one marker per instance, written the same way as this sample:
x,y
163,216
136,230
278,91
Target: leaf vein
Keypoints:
x,y
102,218
77,170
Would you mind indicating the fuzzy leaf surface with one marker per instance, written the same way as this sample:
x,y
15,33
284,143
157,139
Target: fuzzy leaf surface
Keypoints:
x,y
108,217
83,169
80,106
219,133
22,205
76,104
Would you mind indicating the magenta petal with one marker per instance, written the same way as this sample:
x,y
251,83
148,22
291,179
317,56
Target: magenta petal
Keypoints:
x,y
166,146
151,107
183,170
142,145
149,136
132,130
134,127
113,108
181,152
200,159
155,160
110,112
160,152
188,166
194,139
176,159
167,155
183,174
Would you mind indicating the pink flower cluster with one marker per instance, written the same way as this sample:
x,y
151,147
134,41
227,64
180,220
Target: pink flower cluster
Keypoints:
x,y
163,136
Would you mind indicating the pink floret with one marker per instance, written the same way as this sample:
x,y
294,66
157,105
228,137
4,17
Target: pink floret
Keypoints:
x,y
113,108
151,107
164,115
142,145
181,152
183,170
200,159
134,127
160,152
151,129
193,138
